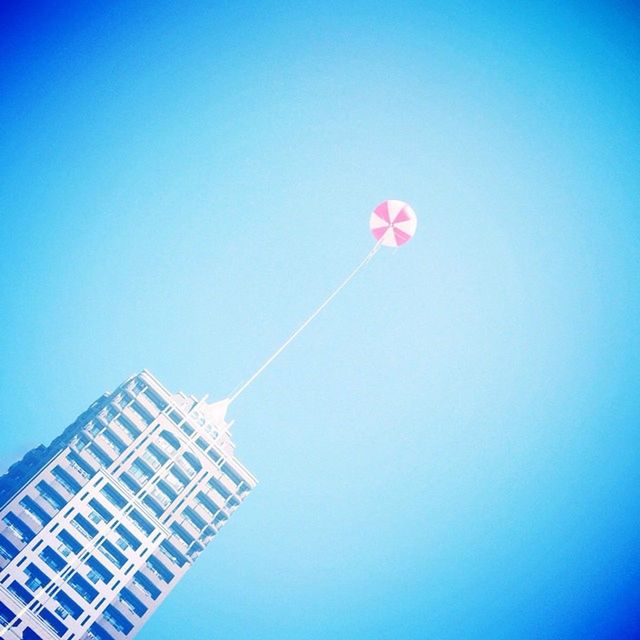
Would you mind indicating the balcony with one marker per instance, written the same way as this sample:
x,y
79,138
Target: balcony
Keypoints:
x,y
28,518
110,449
162,444
93,458
179,544
174,483
160,497
121,432
227,483
151,460
11,536
65,483
140,592
190,527
203,512
110,629
81,474
185,468
147,404
135,418
142,595
76,472
141,472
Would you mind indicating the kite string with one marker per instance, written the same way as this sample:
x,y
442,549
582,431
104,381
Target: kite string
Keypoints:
x,y
293,336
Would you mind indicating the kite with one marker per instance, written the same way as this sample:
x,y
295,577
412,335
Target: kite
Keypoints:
x,y
392,223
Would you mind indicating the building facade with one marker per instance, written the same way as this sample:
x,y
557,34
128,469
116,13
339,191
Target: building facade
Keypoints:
x,y
98,527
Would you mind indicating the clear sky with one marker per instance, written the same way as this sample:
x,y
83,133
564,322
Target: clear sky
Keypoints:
x,y
452,450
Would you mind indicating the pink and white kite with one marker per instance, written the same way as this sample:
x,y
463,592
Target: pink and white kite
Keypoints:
x,y
393,223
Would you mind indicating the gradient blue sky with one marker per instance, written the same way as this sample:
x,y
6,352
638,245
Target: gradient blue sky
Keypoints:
x,y
452,450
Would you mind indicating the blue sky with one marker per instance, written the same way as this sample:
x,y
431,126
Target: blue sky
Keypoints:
x,y
451,450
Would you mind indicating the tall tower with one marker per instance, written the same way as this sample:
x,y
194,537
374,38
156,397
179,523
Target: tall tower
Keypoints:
x,y
99,526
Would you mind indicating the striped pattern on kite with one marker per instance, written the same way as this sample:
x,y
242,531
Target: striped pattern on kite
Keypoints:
x,y
393,223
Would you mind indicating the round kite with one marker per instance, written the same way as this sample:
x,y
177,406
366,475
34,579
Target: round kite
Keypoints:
x,y
393,223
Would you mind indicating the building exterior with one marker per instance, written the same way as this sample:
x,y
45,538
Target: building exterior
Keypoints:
x,y
99,526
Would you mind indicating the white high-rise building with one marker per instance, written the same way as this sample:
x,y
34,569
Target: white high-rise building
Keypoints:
x,y
99,526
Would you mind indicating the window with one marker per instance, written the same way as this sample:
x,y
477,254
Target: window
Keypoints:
x,y
84,526
19,527
69,543
102,512
67,606
141,522
155,399
51,495
98,632
166,490
146,585
69,483
97,571
80,441
169,441
117,619
113,496
53,622
179,472
207,532
142,413
129,427
121,400
186,428
101,456
114,441
161,498
219,487
35,510
94,428
108,414
213,454
141,470
207,503
182,533
176,479
154,505
159,569
191,464
20,592
231,474
158,456
6,615
172,553
52,559
110,550
132,602
7,550
83,587
130,482
220,518
194,518
35,578
80,465
128,537
195,549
